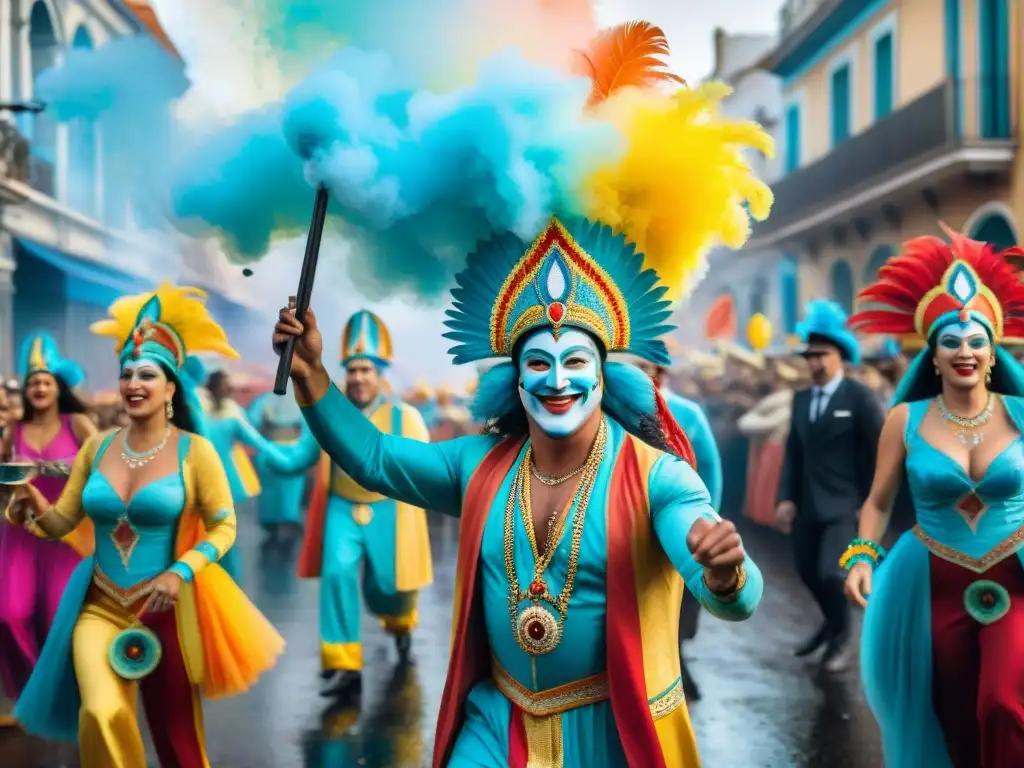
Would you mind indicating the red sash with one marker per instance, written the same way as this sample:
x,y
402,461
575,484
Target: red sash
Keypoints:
x,y
470,655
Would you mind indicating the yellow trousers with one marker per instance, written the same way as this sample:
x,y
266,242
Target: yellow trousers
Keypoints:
x,y
108,729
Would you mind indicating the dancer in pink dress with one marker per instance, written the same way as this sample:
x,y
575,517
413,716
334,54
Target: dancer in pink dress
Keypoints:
x,y
34,571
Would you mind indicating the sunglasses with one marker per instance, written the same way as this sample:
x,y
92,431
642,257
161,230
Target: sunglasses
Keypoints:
x,y
815,354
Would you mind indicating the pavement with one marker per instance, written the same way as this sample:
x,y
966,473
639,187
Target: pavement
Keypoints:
x,y
761,707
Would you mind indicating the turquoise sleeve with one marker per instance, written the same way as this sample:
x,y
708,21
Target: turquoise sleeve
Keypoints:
x,y
183,570
255,411
678,498
427,475
709,461
279,459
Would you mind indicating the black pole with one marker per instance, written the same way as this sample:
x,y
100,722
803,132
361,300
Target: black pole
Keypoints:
x,y
305,291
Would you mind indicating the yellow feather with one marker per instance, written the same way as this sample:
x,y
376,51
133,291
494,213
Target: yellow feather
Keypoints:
x,y
682,185
181,307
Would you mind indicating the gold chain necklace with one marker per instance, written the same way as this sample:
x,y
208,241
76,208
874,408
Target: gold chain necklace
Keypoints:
x,y
965,427
555,479
536,630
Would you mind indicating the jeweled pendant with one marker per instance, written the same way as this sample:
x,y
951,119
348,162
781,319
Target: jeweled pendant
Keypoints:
x,y
538,631
134,653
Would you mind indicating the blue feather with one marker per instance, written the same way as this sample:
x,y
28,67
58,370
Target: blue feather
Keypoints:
x,y
497,393
827,319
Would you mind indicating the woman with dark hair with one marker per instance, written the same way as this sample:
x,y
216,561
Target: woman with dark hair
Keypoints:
x,y
33,571
151,606
943,637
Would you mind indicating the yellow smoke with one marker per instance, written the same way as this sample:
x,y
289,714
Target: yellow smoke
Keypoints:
x,y
682,185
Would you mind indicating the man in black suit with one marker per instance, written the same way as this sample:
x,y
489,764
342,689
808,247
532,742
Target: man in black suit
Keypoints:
x,y
829,465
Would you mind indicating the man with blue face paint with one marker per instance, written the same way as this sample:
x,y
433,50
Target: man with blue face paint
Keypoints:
x,y
351,528
581,514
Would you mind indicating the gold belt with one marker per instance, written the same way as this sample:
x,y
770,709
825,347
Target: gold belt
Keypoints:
x,y
126,598
589,690
1000,552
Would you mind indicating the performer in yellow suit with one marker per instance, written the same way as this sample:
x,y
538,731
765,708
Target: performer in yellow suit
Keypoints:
x,y
351,530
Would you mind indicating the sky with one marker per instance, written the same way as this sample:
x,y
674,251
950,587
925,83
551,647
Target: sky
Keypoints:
x,y
230,74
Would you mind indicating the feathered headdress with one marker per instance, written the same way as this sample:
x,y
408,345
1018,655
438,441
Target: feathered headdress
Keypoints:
x,y
171,326
828,319
932,283
40,353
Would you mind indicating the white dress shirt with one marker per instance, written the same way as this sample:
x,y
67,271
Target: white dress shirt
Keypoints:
x,y
821,395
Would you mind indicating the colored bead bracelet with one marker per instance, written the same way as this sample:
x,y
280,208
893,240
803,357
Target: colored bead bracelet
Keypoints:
x,y
862,550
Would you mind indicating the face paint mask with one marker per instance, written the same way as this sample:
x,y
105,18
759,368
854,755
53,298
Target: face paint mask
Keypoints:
x,y
560,381
952,336
142,369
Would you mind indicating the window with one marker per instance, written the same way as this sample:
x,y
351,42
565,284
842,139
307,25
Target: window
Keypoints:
x,y
841,103
792,137
842,284
884,76
790,290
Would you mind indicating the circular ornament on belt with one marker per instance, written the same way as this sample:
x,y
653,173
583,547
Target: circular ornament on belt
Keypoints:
x,y
362,514
134,653
986,601
538,631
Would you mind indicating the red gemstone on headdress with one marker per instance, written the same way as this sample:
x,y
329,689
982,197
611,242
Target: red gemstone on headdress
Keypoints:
x,y
537,588
964,315
556,311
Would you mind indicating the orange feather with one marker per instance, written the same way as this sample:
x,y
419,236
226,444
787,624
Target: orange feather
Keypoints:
x,y
628,55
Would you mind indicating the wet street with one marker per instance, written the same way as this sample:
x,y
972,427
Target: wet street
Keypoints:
x,y
761,708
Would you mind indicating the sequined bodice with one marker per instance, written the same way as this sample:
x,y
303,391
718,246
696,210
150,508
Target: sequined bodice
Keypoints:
x,y
969,516
134,541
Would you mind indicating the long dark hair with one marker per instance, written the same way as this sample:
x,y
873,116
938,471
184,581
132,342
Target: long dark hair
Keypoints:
x,y
183,418
67,401
924,383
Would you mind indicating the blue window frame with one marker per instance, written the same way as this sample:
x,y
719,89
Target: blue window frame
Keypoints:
x,y
792,137
841,101
883,76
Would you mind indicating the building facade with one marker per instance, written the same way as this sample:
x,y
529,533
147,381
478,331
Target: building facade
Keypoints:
x,y
897,114
752,277
69,242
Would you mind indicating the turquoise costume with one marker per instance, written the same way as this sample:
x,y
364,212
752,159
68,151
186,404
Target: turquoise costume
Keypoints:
x,y
280,421
354,534
941,648
690,416
229,429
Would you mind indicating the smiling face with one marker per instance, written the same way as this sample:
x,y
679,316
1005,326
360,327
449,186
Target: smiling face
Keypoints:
x,y
963,354
362,382
145,388
41,389
560,381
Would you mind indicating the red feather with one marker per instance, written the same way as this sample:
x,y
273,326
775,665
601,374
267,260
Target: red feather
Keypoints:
x,y
889,305
630,54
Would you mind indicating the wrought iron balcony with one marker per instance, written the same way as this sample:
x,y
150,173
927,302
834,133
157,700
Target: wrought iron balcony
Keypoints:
x,y
923,131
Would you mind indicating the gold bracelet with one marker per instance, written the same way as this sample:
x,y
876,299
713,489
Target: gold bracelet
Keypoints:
x,y
734,593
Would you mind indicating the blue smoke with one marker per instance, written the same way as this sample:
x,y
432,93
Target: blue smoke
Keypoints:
x,y
416,178
127,87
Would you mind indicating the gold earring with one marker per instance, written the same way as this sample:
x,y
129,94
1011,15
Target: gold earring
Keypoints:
x,y
988,376
169,410
937,372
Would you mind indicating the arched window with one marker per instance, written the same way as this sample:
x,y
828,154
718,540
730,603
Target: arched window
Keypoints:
x,y
82,150
842,284
995,229
789,289
876,261
41,128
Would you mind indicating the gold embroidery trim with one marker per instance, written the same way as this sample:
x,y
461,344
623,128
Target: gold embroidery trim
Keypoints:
x,y
553,701
124,597
563,698
1001,551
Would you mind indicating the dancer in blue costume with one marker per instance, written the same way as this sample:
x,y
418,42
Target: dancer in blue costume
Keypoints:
x,y
151,609
280,421
561,457
355,534
942,652
228,428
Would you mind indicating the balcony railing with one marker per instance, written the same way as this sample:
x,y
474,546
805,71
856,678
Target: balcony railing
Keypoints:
x,y
927,127
14,153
